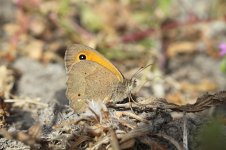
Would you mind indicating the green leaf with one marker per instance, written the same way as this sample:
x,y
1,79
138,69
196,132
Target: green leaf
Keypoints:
x,y
212,135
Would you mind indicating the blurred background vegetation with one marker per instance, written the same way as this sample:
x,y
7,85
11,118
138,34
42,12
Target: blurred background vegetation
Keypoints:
x,y
120,28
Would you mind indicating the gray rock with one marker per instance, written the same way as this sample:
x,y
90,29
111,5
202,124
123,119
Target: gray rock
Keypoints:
x,y
46,81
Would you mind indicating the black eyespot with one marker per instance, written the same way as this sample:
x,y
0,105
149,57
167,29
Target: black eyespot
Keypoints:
x,y
82,57
79,94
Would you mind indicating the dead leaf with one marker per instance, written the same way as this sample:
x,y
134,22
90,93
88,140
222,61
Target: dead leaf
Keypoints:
x,y
185,47
49,6
34,49
50,56
203,86
176,98
37,26
6,81
11,28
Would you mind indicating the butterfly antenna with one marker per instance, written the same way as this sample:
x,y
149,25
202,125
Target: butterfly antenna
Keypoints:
x,y
130,94
140,70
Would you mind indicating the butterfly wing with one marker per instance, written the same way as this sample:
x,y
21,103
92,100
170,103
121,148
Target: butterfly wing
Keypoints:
x,y
94,78
88,80
76,50
71,53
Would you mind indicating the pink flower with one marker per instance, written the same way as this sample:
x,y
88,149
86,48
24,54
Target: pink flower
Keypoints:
x,y
222,48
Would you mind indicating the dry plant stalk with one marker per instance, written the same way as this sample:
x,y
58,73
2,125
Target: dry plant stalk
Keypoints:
x,y
3,112
117,127
7,79
30,137
148,127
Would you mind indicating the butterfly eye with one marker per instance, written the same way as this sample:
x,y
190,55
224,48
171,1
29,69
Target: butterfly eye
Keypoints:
x,y
82,57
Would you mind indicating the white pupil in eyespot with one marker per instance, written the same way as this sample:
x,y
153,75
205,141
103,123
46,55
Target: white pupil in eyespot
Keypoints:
x,y
82,57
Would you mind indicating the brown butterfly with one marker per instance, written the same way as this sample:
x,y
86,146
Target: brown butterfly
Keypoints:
x,y
93,77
